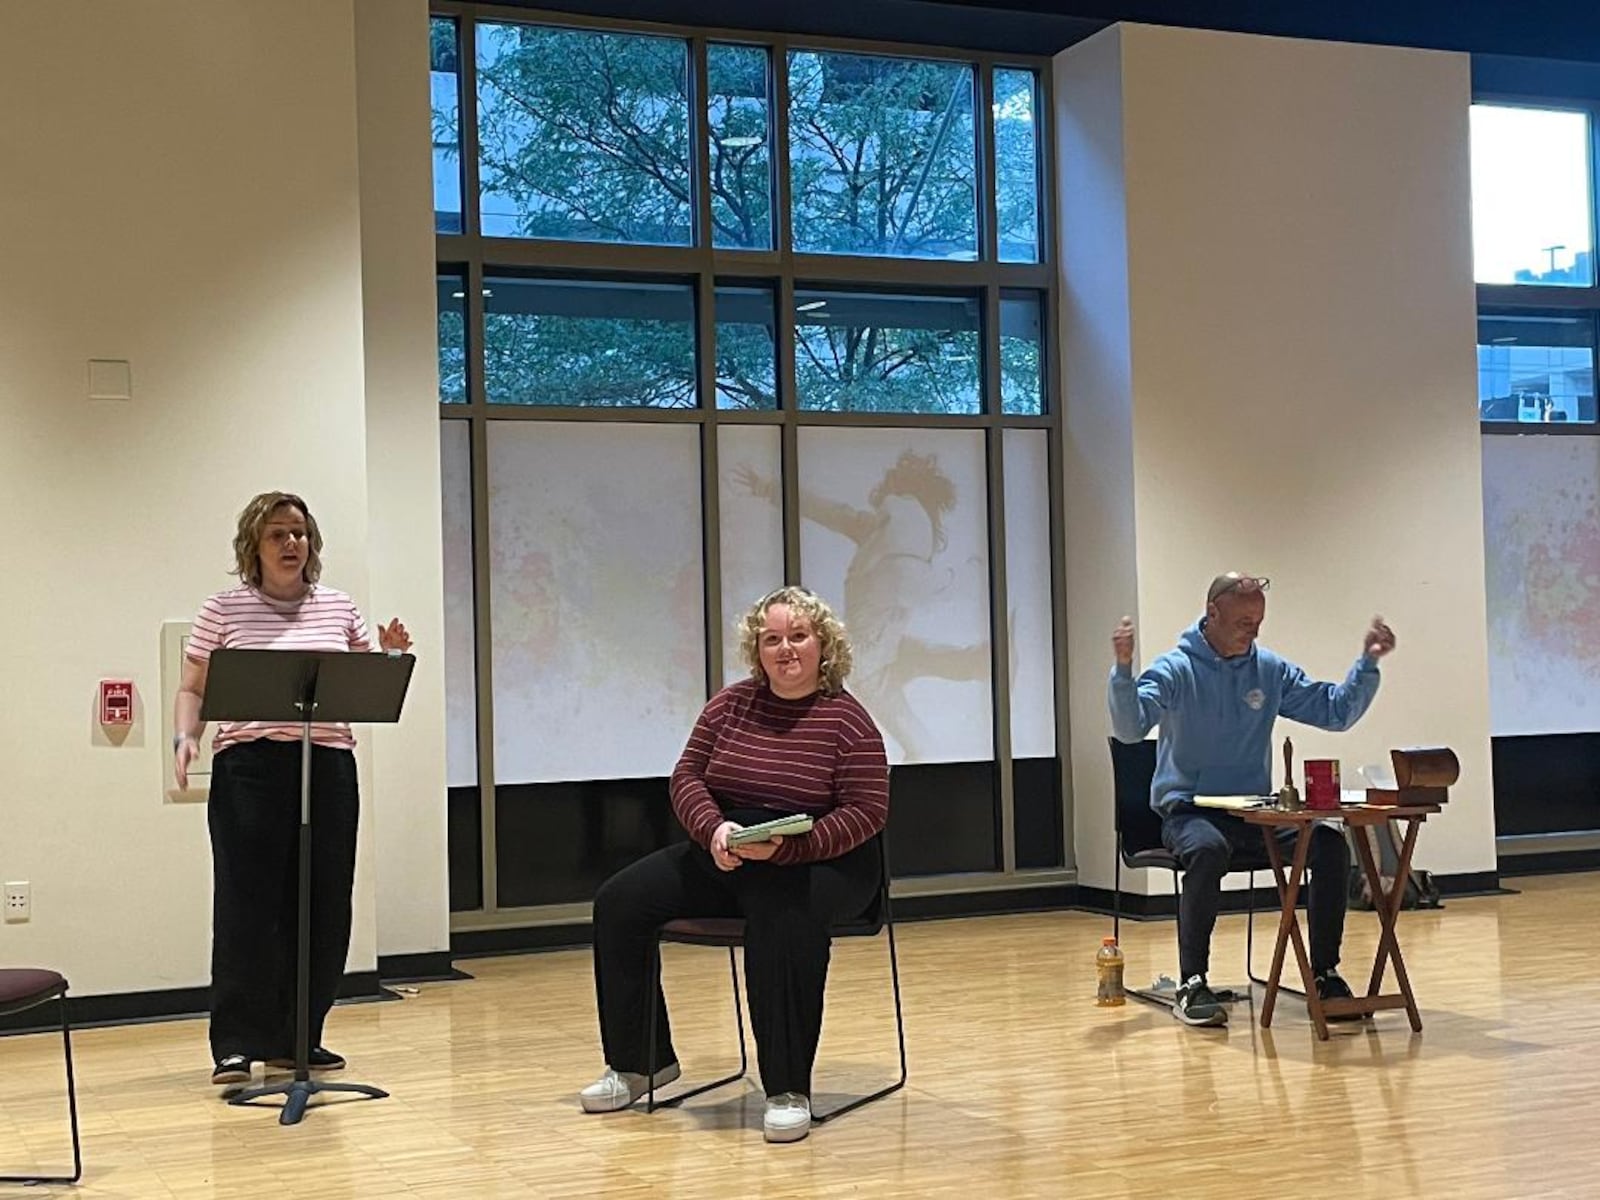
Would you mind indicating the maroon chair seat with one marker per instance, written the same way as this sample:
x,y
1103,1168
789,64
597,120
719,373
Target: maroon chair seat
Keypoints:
x,y
704,931
22,988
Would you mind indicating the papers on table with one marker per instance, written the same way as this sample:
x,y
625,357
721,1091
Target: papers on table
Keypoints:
x,y
1234,803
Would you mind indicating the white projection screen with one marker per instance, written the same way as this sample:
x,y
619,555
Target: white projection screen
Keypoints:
x,y
894,533
597,598
750,510
460,668
1027,491
1541,514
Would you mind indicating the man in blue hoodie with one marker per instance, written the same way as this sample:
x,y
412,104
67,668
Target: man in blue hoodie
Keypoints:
x,y
1215,698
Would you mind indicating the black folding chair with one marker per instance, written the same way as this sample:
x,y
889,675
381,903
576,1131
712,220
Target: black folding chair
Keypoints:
x,y
1139,846
20,990
728,933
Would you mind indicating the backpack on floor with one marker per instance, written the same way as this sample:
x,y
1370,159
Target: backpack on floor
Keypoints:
x,y
1422,890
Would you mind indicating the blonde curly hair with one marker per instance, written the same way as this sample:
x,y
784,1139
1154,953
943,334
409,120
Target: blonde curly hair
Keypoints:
x,y
253,523
832,637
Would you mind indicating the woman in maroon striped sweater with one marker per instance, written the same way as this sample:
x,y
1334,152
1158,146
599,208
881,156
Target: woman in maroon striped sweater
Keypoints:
x,y
787,740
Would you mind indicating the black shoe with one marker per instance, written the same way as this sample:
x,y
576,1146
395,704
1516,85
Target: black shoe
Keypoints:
x,y
1331,987
1198,1005
318,1058
231,1068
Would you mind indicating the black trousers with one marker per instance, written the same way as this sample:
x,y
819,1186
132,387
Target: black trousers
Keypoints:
x,y
254,816
1205,843
788,913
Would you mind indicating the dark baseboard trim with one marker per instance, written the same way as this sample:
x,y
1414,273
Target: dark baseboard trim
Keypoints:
x,y
487,943
1163,906
1550,862
995,903
170,1004
1472,883
117,1008
426,967
360,985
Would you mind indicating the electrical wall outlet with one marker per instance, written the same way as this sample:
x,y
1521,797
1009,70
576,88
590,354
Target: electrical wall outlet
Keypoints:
x,y
19,901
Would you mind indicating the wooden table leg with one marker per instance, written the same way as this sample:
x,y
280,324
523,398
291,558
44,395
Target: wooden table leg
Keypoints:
x,y
1380,905
1387,904
1391,939
1289,930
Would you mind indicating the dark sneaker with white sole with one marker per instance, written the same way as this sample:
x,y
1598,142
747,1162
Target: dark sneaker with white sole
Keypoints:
x,y
231,1068
1197,1004
1331,987
318,1058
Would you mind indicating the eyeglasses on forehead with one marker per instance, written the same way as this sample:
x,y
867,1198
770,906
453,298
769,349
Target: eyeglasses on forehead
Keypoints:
x,y
1243,584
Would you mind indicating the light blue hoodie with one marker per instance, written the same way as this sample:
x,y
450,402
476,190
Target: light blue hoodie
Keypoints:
x,y
1216,714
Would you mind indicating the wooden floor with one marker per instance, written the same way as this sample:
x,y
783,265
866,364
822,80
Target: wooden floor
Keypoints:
x,y
1019,1085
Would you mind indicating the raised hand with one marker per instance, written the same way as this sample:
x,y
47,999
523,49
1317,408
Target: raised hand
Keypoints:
x,y
752,481
1379,640
393,638
1122,642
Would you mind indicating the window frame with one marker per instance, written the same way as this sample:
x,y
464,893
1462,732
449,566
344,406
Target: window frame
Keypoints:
x,y
709,267
1549,300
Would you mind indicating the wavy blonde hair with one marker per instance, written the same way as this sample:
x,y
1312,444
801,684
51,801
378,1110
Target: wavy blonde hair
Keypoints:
x,y
834,640
253,523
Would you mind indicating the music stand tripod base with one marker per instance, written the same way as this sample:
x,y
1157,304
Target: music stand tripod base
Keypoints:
x,y
297,1095
304,686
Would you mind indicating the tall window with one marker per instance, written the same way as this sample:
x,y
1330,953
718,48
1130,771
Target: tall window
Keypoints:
x,y
714,315
1534,216
1533,237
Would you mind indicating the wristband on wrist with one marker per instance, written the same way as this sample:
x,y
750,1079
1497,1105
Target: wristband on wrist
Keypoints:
x,y
179,739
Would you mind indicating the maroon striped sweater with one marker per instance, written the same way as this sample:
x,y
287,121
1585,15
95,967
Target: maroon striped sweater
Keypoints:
x,y
821,755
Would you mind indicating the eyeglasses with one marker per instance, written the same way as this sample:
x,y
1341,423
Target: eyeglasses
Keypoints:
x,y
1243,584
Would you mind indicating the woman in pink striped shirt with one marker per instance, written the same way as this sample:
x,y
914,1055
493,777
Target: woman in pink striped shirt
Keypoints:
x,y
254,806
787,740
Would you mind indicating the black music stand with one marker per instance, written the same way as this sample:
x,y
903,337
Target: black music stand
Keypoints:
x,y
302,686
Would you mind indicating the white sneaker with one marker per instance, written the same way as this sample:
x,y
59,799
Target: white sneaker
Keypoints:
x,y
616,1090
788,1117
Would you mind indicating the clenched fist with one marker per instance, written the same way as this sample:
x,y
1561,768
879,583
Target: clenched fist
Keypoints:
x,y
1122,642
1379,640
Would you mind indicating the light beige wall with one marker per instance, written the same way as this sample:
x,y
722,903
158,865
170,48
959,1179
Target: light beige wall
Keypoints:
x,y
1301,305
1098,421
181,190
407,780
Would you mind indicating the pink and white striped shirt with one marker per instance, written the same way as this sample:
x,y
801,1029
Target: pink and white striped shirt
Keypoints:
x,y
244,619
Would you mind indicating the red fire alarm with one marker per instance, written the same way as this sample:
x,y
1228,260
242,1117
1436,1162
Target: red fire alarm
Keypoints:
x,y
116,702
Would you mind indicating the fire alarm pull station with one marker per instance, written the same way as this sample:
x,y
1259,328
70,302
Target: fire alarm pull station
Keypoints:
x,y
116,702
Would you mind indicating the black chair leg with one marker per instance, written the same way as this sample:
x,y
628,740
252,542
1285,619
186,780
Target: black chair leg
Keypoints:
x,y
900,1033
72,1092
1116,899
651,1103
72,1113
1157,995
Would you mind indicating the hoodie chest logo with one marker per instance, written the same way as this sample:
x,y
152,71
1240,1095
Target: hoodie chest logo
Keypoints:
x,y
1255,698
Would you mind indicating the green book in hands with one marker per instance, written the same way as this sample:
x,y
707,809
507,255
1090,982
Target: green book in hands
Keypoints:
x,y
767,830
